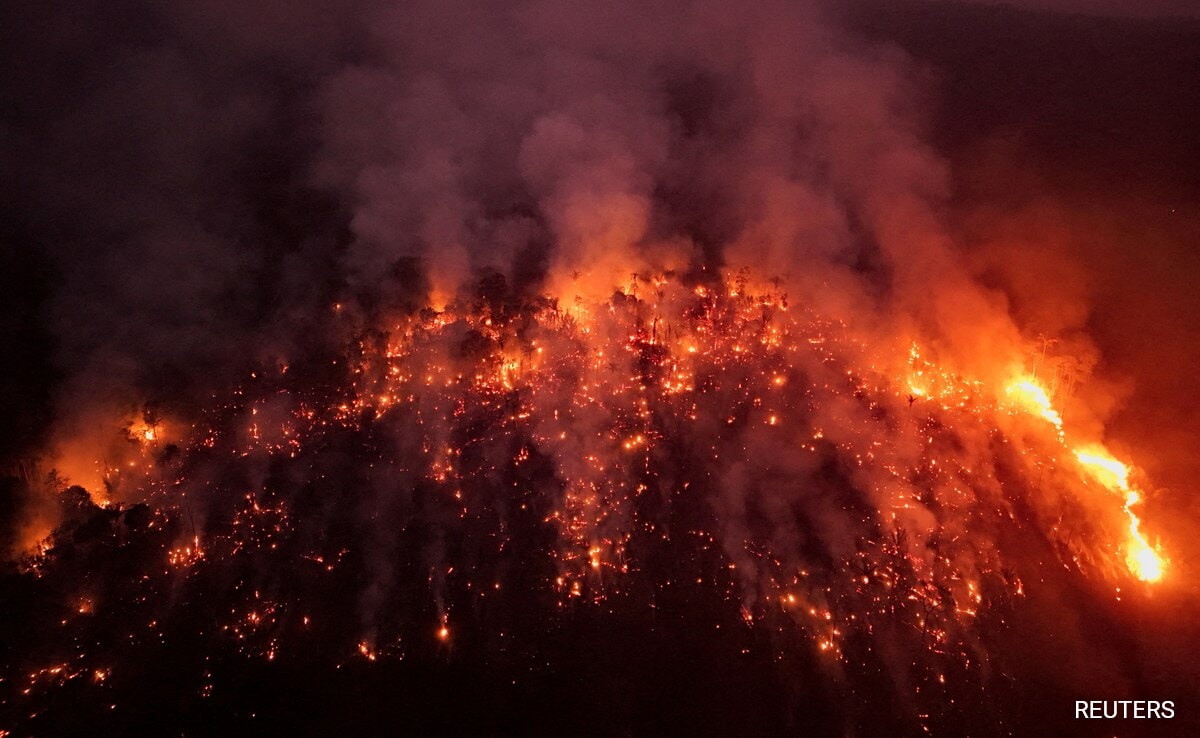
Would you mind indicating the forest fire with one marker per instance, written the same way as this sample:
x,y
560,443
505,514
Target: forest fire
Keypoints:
x,y
1144,561
613,368
606,426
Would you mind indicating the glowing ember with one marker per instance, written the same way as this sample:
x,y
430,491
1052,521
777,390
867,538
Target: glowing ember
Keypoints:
x,y
716,368
706,428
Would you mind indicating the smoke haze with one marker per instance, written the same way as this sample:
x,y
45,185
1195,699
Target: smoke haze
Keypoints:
x,y
202,193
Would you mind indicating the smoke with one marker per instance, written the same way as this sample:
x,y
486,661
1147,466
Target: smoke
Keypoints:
x,y
221,175
236,201
1110,8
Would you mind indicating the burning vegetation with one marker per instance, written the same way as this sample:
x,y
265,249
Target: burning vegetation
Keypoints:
x,y
464,479
576,367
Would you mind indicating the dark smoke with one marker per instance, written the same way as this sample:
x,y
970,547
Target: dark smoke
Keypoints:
x,y
190,190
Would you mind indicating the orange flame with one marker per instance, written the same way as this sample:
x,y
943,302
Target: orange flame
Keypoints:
x,y
1142,559
1030,395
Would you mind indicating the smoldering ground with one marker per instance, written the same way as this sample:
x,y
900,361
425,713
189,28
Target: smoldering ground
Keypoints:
x,y
190,191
